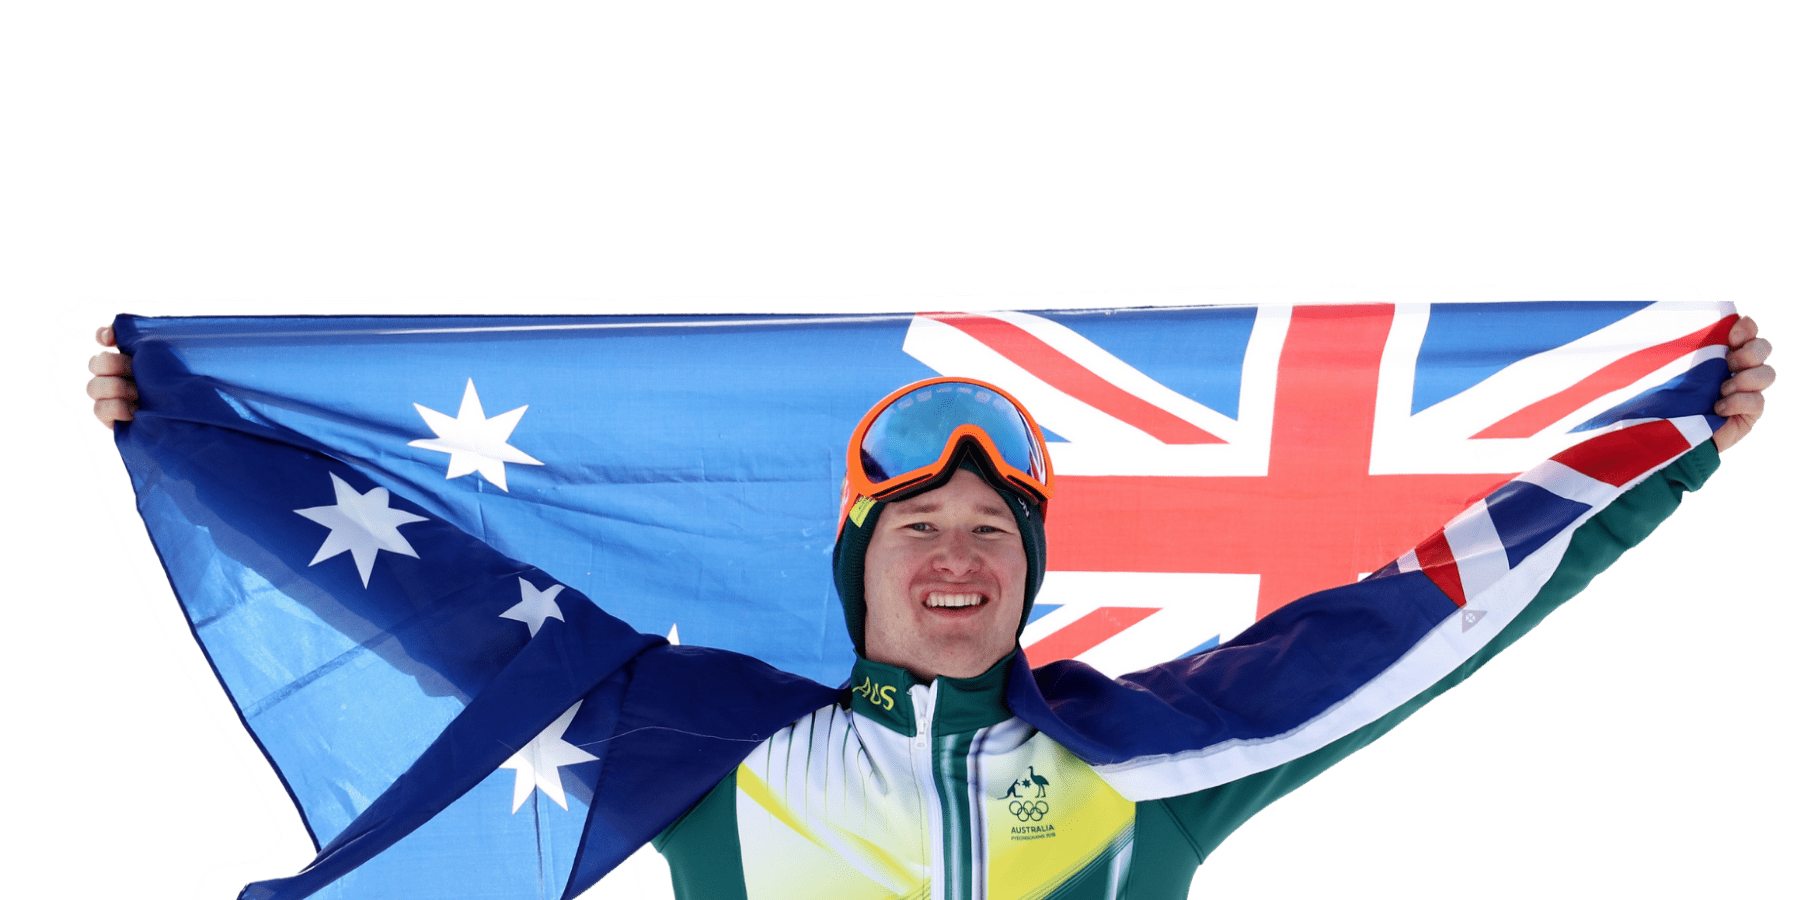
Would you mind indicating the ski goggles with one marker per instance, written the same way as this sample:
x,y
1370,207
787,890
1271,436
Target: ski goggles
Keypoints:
x,y
916,434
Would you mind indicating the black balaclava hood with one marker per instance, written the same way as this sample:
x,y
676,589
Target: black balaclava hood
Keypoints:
x,y
853,545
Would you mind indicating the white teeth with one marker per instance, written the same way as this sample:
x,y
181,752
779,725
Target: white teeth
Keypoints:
x,y
940,599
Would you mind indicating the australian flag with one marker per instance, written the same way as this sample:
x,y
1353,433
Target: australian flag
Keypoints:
x,y
370,521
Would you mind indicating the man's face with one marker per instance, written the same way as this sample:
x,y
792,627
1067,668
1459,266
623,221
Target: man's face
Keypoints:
x,y
944,579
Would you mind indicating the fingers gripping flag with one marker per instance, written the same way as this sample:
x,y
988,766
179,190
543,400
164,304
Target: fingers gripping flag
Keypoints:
x,y
343,505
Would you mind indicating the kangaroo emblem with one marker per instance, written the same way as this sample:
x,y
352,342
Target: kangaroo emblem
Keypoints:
x,y
1033,779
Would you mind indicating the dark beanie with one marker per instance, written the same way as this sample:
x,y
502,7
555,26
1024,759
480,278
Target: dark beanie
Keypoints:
x,y
853,546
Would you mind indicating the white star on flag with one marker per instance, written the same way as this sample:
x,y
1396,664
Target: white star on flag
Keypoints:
x,y
535,606
475,443
539,764
363,524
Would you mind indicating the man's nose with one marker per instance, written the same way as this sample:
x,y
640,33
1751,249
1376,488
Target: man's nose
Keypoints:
x,y
957,554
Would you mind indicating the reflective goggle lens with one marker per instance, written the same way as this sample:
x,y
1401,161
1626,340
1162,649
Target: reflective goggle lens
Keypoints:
x,y
911,432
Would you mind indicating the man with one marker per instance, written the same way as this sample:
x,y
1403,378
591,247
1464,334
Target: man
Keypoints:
x,y
953,768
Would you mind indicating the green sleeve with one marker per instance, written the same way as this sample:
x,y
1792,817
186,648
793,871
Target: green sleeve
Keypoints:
x,y
702,847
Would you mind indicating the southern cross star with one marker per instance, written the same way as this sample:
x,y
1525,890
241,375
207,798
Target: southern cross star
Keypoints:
x,y
539,765
363,524
475,442
535,606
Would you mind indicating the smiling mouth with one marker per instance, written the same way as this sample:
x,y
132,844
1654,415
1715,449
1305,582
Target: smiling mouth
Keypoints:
x,y
947,600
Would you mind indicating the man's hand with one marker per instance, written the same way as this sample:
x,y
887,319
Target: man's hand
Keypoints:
x,y
1740,398
115,394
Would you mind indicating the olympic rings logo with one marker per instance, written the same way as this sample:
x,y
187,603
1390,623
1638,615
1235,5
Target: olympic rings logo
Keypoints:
x,y
1028,810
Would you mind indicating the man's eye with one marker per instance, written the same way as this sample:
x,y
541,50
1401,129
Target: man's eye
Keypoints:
x,y
919,526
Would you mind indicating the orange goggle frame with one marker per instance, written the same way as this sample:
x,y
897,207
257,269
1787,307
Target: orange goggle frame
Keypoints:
x,y
914,434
